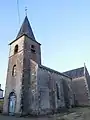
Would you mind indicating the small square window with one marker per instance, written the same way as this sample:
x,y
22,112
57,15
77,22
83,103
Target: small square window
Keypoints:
x,y
33,48
57,90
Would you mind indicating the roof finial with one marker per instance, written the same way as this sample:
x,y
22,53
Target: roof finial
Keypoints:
x,y
26,11
84,68
84,64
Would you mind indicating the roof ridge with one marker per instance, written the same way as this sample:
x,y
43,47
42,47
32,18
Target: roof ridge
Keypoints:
x,y
74,69
53,70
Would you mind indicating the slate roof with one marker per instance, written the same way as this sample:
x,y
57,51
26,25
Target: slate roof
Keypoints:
x,y
75,73
54,71
26,30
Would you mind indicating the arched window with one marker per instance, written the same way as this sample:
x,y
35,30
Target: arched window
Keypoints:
x,y
16,49
57,90
14,71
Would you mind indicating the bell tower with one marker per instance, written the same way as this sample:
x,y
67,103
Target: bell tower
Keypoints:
x,y
23,50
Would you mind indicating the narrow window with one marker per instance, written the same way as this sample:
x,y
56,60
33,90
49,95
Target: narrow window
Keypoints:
x,y
14,71
57,90
33,48
16,49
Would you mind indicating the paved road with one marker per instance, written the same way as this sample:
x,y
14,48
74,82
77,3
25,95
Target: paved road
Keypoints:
x,y
21,118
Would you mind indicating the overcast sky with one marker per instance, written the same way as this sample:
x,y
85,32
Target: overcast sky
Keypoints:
x,y
61,26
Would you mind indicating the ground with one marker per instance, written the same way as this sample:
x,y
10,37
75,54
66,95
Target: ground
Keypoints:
x,y
73,114
80,113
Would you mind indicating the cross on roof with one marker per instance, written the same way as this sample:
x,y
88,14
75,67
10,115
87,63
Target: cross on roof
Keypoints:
x,y
26,11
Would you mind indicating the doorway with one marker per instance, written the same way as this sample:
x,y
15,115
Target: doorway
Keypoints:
x,y
12,103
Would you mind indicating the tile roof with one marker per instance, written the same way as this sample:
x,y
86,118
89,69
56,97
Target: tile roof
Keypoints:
x,y
75,73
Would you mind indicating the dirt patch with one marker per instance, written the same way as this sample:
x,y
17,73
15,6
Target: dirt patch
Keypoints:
x,y
76,114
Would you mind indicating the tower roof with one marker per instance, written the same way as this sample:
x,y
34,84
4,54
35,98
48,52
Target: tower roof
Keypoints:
x,y
26,30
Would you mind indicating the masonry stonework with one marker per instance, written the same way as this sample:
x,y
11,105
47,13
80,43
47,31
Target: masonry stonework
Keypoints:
x,y
33,89
80,86
13,84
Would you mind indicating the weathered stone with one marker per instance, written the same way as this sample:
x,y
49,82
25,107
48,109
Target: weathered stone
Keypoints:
x,y
38,89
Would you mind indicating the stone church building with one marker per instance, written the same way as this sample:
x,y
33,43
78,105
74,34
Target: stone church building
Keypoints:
x,y
32,88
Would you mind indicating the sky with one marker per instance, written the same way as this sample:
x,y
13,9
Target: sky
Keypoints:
x,y
61,26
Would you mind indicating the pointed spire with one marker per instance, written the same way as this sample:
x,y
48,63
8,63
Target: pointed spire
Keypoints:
x,y
26,29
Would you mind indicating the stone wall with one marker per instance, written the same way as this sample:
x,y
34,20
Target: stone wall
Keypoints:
x,y
29,82
14,83
80,90
22,84
47,90
33,108
35,56
38,89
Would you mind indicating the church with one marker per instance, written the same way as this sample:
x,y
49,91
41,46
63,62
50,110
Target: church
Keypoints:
x,y
34,89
